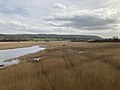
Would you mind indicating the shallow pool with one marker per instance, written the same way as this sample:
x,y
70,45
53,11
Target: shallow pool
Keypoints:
x,y
14,53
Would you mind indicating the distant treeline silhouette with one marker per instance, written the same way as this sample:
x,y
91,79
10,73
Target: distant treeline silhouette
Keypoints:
x,y
46,37
114,39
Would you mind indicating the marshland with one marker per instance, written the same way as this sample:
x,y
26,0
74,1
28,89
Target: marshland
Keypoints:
x,y
64,66
59,44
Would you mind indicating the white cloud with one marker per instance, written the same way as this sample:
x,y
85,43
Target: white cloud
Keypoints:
x,y
12,23
97,17
85,19
59,6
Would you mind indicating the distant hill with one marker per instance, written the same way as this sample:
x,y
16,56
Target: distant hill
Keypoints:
x,y
28,37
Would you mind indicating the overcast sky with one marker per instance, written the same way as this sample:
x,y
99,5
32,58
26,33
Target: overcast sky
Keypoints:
x,y
83,17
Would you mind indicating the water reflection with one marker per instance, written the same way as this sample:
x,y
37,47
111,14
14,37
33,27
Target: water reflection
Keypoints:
x,y
14,53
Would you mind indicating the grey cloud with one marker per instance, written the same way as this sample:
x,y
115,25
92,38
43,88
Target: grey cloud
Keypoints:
x,y
96,19
11,11
90,23
68,16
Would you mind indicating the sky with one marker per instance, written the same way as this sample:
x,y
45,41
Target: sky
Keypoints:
x,y
80,17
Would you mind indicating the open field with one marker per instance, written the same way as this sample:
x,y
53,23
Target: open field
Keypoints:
x,y
64,67
11,45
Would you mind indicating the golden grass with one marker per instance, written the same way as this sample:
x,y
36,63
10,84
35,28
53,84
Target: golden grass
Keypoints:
x,y
10,45
64,68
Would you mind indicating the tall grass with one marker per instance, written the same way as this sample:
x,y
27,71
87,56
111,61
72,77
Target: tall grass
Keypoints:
x,y
64,68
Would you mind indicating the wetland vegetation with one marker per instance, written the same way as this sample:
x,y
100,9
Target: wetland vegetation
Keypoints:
x,y
62,67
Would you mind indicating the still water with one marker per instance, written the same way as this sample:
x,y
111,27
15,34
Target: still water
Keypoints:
x,y
14,53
